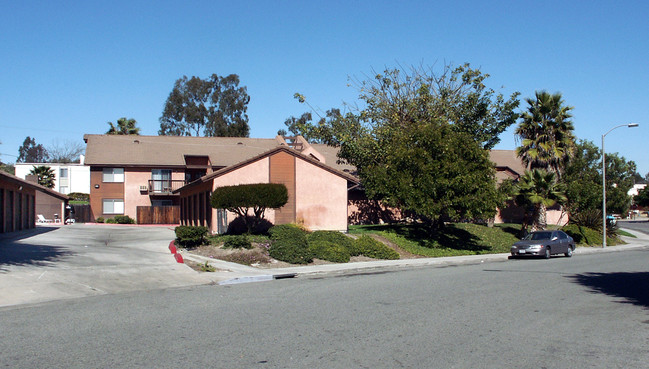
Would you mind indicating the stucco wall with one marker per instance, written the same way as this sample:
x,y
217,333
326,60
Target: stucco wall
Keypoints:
x,y
256,172
320,197
133,197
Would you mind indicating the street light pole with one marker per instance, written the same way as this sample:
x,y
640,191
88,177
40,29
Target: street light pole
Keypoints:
x,y
630,125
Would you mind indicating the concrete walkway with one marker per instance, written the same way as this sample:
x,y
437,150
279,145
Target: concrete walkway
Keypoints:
x,y
233,273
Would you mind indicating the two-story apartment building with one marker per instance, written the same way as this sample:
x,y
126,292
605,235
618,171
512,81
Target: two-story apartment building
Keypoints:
x,y
127,172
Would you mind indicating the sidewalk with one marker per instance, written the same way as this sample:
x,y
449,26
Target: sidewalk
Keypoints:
x,y
233,273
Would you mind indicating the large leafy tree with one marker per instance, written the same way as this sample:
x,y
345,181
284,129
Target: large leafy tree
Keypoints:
x,y
124,126
457,96
642,198
546,133
44,174
215,106
30,152
583,179
537,189
619,180
411,152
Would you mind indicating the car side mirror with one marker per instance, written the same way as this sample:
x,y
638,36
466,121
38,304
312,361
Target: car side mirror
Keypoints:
x,y
555,238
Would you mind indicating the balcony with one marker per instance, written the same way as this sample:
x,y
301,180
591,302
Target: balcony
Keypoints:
x,y
164,186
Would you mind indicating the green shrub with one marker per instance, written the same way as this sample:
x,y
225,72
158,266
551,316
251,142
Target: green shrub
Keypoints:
x,y
289,244
257,197
335,238
287,231
329,251
111,221
124,219
588,236
79,196
237,242
290,251
190,236
374,249
100,220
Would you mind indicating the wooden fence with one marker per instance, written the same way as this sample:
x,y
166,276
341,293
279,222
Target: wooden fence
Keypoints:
x,y
82,213
158,214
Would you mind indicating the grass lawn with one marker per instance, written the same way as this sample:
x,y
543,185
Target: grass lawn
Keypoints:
x,y
455,239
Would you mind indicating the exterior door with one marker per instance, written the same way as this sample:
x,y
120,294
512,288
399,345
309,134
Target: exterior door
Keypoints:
x,y
161,180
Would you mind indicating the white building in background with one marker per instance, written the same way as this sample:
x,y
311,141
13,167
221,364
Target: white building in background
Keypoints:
x,y
636,188
68,177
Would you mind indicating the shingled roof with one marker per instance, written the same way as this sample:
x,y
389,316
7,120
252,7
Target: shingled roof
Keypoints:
x,y
171,150
506,160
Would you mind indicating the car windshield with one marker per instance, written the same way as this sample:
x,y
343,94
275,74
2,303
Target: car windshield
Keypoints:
x,y
538,236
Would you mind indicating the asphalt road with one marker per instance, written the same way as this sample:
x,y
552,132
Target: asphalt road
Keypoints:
x,y
640,225
589,311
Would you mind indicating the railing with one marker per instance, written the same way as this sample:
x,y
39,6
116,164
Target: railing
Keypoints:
x,y
164,186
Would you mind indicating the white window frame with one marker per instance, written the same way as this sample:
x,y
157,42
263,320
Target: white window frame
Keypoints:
x,y
113,175
108,206
67,172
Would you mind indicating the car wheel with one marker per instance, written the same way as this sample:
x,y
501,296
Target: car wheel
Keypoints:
x,y
547,253
569,252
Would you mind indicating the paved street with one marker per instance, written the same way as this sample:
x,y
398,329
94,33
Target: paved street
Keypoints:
x,y
641,225
589,311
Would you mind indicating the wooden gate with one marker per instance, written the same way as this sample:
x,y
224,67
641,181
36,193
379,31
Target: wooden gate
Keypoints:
x,y
158,214
80,213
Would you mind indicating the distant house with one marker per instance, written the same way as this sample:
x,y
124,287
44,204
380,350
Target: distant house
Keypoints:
x,y
139,175
22,201
510,166
636,189
68,177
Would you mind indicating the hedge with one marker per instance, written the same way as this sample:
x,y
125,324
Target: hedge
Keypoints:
x,y
190,236
329,251
289,244
336,238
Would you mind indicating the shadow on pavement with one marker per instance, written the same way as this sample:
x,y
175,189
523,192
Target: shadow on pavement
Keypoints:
x,y
13,252
19,235
632,286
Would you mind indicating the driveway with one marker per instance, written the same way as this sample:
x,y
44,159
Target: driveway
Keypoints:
x,y
52,263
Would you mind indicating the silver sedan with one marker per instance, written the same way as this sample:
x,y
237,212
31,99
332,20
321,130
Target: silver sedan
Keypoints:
x,y
544,243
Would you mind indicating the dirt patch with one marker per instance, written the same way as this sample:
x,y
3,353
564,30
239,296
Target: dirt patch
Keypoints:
x,y
258,256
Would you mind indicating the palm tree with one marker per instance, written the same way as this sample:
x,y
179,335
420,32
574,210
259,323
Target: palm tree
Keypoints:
x,y
44,174
124,127
537,189
546,133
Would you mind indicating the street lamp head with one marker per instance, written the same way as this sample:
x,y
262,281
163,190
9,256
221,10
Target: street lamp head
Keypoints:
x,y
632,125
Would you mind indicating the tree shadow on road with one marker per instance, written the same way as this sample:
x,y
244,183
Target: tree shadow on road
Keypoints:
x,y
631,286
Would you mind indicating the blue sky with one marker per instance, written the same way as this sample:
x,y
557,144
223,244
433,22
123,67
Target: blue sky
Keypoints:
x,y
68,68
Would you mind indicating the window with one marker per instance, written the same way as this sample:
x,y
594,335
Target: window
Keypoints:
x,y
113,175
161,180
113,206
64,190
63,172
